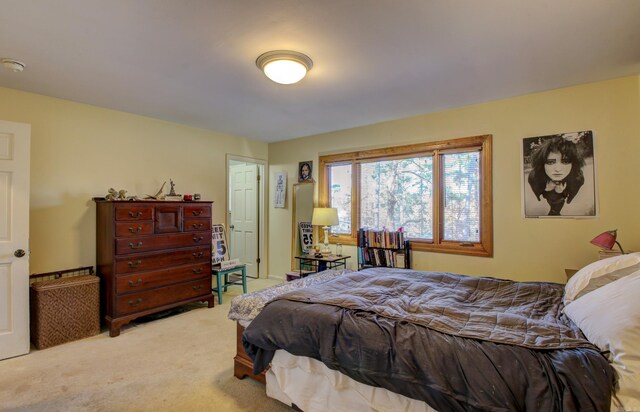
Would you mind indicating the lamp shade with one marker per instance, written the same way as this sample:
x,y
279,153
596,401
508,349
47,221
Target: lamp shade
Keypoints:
x,y
324,216
605,240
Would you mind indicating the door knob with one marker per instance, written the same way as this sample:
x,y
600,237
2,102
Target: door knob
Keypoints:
x,y
19,253
232,227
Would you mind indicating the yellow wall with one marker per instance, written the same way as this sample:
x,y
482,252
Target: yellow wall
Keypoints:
x,y
79,151
524,249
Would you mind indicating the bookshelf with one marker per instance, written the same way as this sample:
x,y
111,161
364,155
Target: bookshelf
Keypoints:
x,y
378,248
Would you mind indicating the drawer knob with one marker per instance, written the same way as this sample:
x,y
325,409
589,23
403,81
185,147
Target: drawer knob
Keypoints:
x,y
198,226
195,239
197,212
132,246
198,255
134,264
197,270
135,303
135,214
197,287
135,229
134,284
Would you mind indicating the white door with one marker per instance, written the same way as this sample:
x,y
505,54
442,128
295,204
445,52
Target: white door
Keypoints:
x,y
243,215
14,238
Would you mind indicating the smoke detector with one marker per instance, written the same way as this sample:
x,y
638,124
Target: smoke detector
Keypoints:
x,y
13,65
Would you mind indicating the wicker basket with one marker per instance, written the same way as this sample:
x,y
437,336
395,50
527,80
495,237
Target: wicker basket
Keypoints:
x,y
64,309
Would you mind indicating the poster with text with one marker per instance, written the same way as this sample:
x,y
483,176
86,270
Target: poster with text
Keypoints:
x,y
219,239
306,236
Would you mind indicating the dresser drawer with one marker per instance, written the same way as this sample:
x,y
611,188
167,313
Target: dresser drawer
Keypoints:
x,y
168,219
149,243
135,302
197,211
134,212
158,260
129,229
194,225
156,278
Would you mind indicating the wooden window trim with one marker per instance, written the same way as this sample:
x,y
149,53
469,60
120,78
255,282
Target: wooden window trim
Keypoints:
x,y
482,143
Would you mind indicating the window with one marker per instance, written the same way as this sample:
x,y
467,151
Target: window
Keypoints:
x,y
398,193
438,192
340,187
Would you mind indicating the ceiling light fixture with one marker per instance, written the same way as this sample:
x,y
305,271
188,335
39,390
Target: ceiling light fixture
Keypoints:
x,y
284,66
13,65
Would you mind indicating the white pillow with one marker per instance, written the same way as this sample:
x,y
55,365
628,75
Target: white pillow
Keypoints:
x,y
610,318
596,269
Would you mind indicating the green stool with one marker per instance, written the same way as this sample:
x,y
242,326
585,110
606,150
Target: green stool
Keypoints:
x,y
223,283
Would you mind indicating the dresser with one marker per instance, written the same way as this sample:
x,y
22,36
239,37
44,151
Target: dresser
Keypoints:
x,y
151,256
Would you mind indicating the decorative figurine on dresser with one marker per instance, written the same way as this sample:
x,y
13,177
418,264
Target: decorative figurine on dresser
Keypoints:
x,y
151,256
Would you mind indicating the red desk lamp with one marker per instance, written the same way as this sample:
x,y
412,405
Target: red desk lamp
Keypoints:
x,y
607,240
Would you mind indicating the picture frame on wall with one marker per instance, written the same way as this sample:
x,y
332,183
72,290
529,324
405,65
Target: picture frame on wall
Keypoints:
x,y
305,171
559,178
280,196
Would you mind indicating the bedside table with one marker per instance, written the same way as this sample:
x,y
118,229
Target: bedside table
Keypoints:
x,y
604,254
319,264
570,272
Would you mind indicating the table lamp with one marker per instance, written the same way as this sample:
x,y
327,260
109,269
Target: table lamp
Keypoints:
x,y
325,217
607,240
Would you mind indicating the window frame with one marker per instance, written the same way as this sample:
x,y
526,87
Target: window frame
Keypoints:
x,y
481,143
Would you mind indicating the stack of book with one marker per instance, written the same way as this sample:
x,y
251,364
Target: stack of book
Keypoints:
x,y
173,198
382,257
381,239
382,248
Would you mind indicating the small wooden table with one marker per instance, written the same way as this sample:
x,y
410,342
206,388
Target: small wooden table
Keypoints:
x,y
310,264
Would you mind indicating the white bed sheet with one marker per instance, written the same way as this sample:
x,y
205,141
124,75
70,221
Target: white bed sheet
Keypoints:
x,y
313,387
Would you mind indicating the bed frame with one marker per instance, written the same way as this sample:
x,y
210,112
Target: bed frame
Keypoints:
x,y
242,363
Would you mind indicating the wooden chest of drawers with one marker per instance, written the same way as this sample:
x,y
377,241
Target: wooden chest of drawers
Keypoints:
x,y
152,256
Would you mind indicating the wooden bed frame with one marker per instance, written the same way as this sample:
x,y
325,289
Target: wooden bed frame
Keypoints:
x,y
242,363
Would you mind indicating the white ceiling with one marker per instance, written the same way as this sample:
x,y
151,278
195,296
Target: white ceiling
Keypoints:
x,y
193,62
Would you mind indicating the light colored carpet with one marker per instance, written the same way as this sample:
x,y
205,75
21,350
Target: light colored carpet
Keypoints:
x,y
183,362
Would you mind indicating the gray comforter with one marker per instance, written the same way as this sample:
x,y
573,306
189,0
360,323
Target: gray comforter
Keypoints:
x,y
455,342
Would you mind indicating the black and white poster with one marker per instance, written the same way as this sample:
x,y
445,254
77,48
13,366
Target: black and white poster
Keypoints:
x,y
306,236
219,252
559,175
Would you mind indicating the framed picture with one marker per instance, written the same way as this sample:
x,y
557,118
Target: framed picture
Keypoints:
x,y
219,238
305,171
559,178
280,190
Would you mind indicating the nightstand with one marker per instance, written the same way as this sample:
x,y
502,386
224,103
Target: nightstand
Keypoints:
x,y
319,264
605,254
570,272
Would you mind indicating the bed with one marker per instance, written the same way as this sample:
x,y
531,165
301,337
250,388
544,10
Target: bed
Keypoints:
x,y
383,339
246,307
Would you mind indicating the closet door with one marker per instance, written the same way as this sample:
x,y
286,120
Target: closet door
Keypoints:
x,y
14,238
